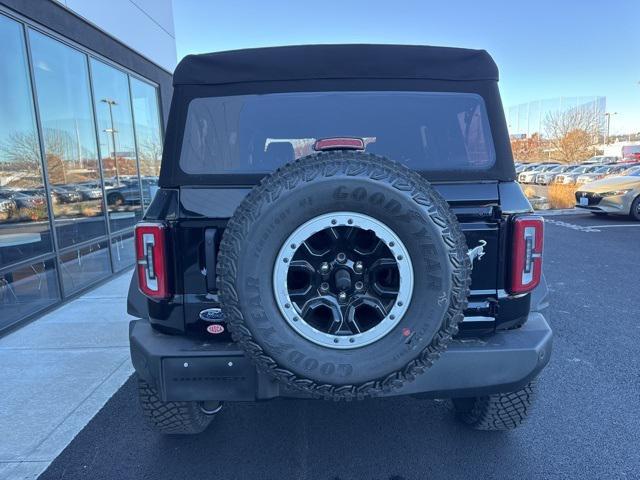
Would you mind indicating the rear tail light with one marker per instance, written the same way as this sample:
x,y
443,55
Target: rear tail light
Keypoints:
x,y
526,260
151,260
338,143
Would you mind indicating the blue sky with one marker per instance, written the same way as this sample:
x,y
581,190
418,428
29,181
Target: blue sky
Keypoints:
x,y
544,48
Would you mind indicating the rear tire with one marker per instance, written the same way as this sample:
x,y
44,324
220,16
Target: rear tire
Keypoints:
x,y
173,418
115,199
498,412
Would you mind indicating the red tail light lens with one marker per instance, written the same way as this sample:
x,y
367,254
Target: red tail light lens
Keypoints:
x,y
338,143
151,260
526,260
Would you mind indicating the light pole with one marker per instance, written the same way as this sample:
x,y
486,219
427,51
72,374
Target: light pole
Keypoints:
x,y
608,115
111,103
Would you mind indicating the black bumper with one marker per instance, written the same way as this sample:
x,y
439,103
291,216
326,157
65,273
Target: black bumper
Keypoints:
x,y
187,369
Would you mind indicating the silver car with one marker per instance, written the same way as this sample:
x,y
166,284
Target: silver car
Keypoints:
x,y
617,195
569,178
599,173
545,178
530,175
525,167
601,160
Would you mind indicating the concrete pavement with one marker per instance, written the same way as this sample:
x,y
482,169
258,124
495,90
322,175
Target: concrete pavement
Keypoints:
x,y
57,372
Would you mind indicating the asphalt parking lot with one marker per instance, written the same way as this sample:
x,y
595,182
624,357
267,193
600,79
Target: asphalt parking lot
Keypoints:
x,y
586,422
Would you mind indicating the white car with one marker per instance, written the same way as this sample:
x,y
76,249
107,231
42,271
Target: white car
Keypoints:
x,y
530,176
569,178
545,178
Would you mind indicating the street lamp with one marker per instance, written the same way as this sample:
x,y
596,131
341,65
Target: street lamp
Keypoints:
x,y
608,115
111,103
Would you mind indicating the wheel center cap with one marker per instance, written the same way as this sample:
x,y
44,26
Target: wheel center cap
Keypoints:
x,y
343,279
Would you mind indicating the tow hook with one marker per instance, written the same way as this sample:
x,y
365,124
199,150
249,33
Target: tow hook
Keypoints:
x,y
476,253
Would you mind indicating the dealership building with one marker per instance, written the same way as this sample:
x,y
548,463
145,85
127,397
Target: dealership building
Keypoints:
x,y
85,91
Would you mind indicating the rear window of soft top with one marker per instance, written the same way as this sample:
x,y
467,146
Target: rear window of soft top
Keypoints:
x,y
258,133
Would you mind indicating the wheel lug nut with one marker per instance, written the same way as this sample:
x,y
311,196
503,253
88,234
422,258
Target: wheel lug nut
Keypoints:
x,y
341,257
324,268
359,286
358,267
324,286
342,297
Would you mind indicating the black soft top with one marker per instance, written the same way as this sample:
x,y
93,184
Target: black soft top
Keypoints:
x,y
307,62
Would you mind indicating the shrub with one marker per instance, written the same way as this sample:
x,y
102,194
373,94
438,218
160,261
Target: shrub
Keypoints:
x,y
562,196
529,192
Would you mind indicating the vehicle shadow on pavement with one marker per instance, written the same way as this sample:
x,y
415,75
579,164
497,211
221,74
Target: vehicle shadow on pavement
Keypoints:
x,y
391,438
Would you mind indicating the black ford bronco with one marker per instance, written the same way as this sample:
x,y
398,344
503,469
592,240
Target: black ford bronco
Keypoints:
x,y
338,222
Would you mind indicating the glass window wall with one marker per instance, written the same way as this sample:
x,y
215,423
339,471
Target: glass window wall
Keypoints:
x,y
24,221
80,139
64,102
117,145
146,115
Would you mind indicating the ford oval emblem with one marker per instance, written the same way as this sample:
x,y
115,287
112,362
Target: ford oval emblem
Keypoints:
x,y
215,328
211,315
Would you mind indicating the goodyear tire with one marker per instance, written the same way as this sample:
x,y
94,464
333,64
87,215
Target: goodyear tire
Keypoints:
x,y
173,418
343,275
498,412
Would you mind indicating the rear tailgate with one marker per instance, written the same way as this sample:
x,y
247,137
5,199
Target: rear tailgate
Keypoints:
x,y
204,212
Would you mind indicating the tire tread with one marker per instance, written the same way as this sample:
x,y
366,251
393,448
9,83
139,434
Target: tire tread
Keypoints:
x,y
178,418
498,412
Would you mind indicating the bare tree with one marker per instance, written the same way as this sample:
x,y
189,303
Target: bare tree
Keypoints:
x,y
149,155
20,154
528,149
21,150
572,133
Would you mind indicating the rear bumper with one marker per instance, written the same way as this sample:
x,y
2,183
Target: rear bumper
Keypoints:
x,y
192,370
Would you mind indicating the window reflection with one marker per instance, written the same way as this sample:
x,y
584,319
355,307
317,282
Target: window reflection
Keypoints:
x,y
122,251
24,223
117,145
83,266
64,101
146,114
25,290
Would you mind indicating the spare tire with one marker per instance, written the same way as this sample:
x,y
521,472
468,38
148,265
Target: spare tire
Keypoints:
x,y
343,274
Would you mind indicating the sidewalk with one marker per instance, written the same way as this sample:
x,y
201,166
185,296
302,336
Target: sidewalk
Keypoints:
x,y
57,372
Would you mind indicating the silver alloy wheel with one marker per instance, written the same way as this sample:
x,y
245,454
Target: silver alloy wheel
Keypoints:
x,y
343,280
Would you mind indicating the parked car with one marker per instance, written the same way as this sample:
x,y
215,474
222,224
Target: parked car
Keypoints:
x,y
599,173
526,166
89,190
616,195
545,178
629,171
128,191
619,169
27,198
569,178
65,193
7,206
530,175
341,274
601,159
